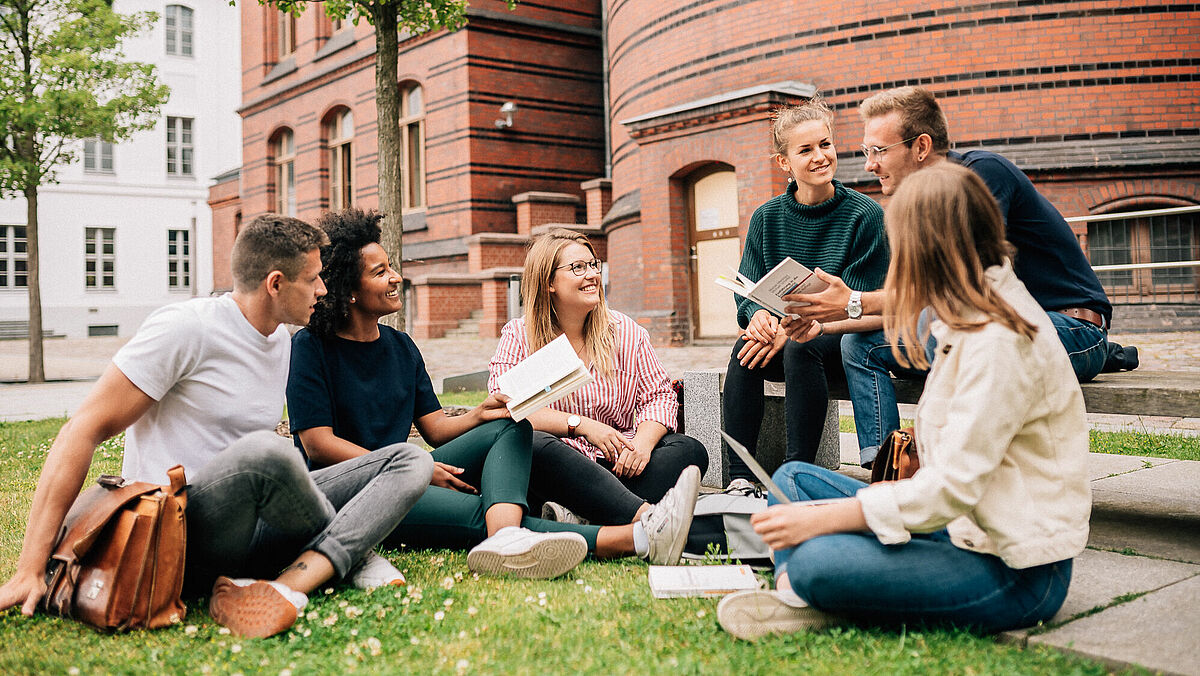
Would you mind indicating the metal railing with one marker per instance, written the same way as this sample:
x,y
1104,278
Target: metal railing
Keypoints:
x,y
1148,256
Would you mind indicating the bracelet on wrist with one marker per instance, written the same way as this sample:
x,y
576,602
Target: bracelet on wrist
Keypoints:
x,y
820,329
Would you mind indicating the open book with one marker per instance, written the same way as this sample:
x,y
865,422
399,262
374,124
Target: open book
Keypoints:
x,y
543,378
787,277
675,581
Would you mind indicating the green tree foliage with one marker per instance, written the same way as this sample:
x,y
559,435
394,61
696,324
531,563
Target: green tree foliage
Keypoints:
x,y
389,17
62,79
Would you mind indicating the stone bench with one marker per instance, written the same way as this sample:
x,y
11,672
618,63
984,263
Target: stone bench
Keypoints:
x,y
1148,393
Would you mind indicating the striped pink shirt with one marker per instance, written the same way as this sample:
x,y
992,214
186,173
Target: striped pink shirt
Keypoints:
x,y
638,388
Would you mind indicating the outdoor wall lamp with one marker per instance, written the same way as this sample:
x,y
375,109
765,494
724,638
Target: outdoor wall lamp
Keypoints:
x,y
507,110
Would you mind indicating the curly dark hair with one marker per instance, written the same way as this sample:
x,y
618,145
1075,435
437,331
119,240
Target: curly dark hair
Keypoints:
x,y
349,230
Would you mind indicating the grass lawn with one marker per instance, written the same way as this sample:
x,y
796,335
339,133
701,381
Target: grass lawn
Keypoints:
x,y
598,619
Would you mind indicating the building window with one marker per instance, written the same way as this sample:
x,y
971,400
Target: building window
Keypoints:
x,y
14,257
340,131
412,130
97,156
179,146
1159,238
99,258
283,151
285,35
179,30
179,267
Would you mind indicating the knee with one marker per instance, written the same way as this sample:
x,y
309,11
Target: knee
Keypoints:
x,y
265,452
416,460
693,452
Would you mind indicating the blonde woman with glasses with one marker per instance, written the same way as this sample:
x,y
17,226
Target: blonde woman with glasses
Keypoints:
x,y
983,535
608,451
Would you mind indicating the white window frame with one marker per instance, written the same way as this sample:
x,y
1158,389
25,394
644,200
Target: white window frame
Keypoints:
x,y
181,159
95,276
179,260
10,258
284,159
179,25
340,153
97,156
412,125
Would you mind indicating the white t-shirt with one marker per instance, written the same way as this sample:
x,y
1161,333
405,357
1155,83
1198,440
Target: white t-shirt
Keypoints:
x,y
214,377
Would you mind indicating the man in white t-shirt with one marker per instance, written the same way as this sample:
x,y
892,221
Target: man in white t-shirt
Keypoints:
x,y
202,385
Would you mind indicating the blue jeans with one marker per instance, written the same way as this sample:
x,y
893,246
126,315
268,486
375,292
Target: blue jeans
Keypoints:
x,y
924,581
867,359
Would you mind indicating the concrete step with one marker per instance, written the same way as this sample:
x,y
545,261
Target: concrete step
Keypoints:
x,y
1154,317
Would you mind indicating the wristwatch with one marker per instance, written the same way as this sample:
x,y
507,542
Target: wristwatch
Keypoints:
x,y
572,423
854,307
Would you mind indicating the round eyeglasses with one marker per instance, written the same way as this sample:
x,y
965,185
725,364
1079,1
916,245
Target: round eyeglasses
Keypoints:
x,y
578,267
873,153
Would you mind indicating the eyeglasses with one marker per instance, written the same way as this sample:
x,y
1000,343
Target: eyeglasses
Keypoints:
x,y
577,268
874,152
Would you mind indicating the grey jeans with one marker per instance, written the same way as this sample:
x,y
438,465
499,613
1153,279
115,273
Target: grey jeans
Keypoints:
x,y
255,507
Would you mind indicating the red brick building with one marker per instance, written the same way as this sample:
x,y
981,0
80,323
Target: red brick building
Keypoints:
x,y
666,105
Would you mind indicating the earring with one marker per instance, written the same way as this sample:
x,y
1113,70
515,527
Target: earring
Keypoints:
x,y
352,299
791,180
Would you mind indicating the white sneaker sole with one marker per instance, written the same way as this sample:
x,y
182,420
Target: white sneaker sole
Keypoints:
x,y
749,615
546,559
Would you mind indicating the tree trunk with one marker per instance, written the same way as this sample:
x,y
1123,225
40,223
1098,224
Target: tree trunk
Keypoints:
x,y
37,370
387,104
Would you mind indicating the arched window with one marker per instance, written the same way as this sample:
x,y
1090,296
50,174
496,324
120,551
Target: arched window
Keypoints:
x,y
285,35
178,21
1147,238
339,131
412,132
283,152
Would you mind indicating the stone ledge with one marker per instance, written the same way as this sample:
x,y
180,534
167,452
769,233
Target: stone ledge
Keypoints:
x,y
546,198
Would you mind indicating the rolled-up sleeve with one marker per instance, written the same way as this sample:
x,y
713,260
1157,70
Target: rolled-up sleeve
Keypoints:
x,y
656,399
984,408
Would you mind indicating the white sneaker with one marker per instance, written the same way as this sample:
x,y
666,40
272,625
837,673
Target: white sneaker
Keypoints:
x,y
743,487
552,511
255,608
667,522
753,614
375,571
520,552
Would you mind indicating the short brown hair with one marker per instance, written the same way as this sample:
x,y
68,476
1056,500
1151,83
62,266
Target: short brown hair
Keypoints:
x,y
919,114
786,119
273,242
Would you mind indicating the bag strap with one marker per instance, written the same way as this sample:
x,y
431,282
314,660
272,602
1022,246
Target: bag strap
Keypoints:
x,y
178,484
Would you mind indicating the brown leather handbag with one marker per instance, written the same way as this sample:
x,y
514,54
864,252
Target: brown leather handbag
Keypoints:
x,y
118,561
897,457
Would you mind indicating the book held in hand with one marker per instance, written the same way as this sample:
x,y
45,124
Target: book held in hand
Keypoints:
x,y
783,279
677,581
543,378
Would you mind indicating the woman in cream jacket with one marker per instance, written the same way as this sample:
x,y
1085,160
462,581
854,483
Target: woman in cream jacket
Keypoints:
x,y
983,535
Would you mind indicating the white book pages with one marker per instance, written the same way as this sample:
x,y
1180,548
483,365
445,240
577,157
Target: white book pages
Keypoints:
x,y
786,278
543,378
678,581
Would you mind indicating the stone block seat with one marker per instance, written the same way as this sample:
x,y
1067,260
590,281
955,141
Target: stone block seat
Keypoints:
x,y
1145,393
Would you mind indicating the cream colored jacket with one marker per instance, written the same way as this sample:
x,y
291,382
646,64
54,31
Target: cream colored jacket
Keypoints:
x,y
1003,442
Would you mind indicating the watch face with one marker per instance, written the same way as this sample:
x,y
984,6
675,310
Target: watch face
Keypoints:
x,y
573,421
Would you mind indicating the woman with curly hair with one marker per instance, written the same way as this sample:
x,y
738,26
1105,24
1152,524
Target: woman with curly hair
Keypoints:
x,y
356,386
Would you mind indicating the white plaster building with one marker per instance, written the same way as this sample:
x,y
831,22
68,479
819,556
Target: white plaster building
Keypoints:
x,y
127,228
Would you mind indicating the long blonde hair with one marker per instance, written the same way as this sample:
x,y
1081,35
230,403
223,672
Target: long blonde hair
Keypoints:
x,y
944,229
541,322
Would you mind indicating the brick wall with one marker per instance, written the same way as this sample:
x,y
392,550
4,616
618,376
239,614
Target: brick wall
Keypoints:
x,y
441,304
226,215
1005,73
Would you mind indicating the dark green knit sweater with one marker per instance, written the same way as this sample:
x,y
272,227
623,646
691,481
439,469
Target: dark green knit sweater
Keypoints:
x,y
843,236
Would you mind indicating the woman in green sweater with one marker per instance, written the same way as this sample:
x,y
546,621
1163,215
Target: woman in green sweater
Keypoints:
x,y
827,227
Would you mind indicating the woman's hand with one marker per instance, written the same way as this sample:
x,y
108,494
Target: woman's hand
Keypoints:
x,y
787,525
493,408
801,330
755,354
630,463
445,476
610,442
762,327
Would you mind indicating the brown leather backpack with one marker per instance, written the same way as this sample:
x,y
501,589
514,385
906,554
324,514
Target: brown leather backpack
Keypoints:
x,y
897,457
118,561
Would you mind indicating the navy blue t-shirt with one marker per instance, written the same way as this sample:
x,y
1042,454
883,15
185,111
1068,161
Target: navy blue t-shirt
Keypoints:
x,y
1049,260
369,393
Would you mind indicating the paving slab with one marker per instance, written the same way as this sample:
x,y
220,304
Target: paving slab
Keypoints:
x,y
1105,465
45,400
1175,539
1159,631
1100,577
1169,488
